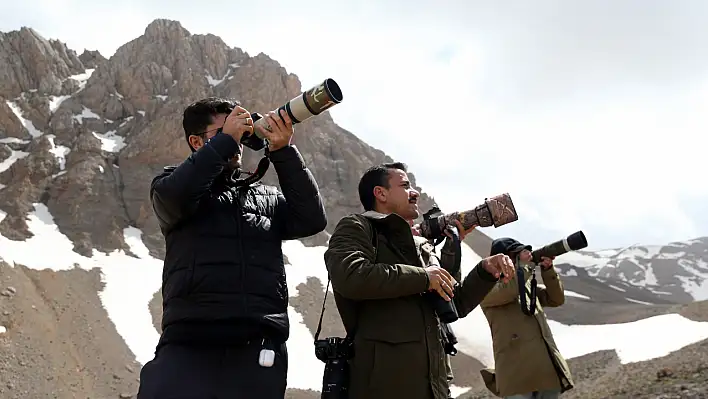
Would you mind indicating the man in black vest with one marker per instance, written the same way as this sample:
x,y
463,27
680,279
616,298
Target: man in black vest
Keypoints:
x,y
225,298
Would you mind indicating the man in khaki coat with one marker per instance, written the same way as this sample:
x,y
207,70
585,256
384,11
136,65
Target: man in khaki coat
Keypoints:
x,y
379,275
527,361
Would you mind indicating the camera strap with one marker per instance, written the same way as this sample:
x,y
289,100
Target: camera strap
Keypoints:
x,y
258,174
529,309
448,336
350,334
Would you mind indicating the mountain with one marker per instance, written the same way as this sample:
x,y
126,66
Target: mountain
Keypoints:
x,y
677,272
81,136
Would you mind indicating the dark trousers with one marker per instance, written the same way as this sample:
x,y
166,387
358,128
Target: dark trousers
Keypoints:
x,y
187,372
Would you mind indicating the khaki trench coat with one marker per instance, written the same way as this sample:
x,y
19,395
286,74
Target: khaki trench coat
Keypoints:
x,y
525,355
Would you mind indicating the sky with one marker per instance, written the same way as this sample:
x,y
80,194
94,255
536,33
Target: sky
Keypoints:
x,y
590,114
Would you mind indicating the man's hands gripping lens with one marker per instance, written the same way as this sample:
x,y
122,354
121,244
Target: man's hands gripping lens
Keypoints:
x,y
499,266
239,122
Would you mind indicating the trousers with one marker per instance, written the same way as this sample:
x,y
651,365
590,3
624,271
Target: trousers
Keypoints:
x,y
205,372
536,395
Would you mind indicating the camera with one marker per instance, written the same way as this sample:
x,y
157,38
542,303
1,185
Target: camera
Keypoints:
x,y
573,242
496,211
449,339
446,310
335,352
309,103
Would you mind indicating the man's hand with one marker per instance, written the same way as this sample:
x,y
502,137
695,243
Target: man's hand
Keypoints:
x,y
238,123
500,264
547,263
281,130
441,281
461,230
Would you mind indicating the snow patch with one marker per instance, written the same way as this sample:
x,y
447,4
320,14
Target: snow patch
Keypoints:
x,y
307,372
55,102
60,152
614,287
579,340
571,273
456,391
638,301
9,161
82,78
85,114
215,82
304,262
13,140
125,121
110,141
33,131
49,249
575,294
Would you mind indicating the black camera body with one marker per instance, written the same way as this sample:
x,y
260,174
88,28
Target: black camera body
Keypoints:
x,y
335,352
252,140
446,310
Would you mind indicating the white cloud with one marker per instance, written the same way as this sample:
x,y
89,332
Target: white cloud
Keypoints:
x,y
590,115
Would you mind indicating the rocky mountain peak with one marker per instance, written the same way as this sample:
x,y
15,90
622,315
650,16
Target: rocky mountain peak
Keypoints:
x,y
29,62
92,58
165,28
89,145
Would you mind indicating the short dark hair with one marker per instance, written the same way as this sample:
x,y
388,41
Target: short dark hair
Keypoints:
x,y
378,175
200,114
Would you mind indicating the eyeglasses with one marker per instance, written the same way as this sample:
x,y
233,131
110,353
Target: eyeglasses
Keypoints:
x,y
202,134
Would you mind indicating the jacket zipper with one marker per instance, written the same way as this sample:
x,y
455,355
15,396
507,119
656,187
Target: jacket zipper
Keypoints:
x,y
239,229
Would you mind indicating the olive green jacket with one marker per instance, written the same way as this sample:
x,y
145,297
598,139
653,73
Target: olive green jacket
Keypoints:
x,y
398,351
525,355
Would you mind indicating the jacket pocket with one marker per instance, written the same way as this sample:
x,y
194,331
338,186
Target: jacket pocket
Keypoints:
x,y
389,376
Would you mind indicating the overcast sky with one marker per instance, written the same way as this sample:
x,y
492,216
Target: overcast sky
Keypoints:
x,y
591,114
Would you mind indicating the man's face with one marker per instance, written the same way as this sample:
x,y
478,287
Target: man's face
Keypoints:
x,y
210,131
399,197
525,255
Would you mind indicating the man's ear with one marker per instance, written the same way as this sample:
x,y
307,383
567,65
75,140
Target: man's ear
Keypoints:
x,y
196,142
380,193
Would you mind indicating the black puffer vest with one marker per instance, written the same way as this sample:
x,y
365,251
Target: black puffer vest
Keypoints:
x,y
225,265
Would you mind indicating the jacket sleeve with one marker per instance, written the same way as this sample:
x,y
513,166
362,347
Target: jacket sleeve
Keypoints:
x,y
552,295
503,293
350,263
301,212
476,286
176,195
447,258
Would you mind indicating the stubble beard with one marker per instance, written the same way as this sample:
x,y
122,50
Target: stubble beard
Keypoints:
x,y
234,163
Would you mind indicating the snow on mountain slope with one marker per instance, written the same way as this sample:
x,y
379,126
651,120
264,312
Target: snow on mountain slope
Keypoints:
x,y
131,279
676,271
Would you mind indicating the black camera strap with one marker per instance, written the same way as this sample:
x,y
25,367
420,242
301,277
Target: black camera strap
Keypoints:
x,y
530,309
448,335
350,334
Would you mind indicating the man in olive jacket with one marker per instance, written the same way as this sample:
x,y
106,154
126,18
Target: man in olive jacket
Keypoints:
x,y
379,274
527,361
